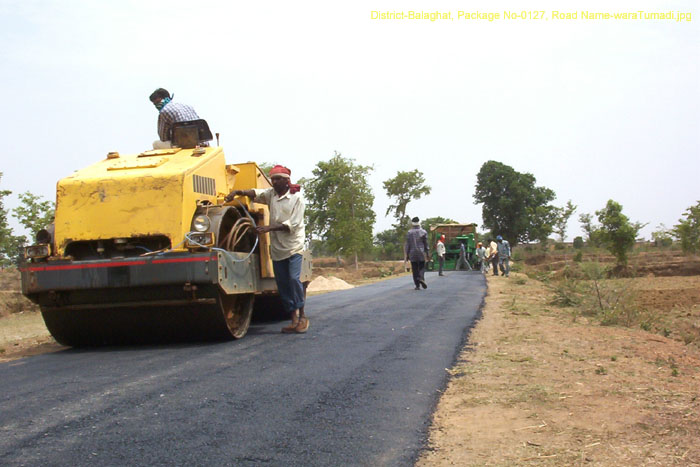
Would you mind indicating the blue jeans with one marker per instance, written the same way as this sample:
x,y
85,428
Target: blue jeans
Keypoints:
x,y
287,273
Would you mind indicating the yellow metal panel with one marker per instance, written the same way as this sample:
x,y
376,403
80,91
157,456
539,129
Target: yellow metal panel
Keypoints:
x,y
137,164
152,193
99,202
250,176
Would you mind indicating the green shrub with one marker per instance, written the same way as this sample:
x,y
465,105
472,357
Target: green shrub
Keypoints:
x,y
567,292
688,230
578,243
617,232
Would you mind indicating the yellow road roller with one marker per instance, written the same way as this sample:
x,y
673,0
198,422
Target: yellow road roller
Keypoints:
x,y
144,248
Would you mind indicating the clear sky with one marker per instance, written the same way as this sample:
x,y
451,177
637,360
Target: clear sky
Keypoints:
x,y
594,108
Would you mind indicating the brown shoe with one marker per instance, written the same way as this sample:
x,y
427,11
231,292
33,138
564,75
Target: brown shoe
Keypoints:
x,y
303,325
293,326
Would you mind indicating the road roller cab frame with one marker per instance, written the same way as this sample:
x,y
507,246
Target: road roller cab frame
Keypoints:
x,y
145,249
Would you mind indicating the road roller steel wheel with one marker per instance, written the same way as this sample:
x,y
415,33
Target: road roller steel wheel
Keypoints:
x,y
237,311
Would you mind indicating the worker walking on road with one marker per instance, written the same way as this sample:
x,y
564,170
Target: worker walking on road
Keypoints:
x,y
286,240
503,256
462,262
416,250
440,250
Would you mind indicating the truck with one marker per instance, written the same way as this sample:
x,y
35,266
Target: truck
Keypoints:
x,y
144,248
454,235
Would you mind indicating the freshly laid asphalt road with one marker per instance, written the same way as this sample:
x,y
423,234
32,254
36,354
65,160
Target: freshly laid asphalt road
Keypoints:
x,y
358,389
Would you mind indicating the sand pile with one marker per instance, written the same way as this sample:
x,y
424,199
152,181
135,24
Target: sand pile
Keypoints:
x,y
331,283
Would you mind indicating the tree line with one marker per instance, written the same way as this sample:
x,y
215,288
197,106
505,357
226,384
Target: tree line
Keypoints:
x,y
33,213
340,217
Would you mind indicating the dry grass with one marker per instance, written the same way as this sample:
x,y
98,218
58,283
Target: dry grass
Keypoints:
x,y
536,387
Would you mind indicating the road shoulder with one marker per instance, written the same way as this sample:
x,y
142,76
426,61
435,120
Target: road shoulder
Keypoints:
x,y
533,386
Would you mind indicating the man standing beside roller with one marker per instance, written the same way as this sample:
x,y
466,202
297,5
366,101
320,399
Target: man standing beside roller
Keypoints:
x,y
286,240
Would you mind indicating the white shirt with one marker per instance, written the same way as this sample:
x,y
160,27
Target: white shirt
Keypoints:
x,y
493,248
287,209
440,248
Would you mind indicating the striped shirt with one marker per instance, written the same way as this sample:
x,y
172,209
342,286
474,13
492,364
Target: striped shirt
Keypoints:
x,y
173,112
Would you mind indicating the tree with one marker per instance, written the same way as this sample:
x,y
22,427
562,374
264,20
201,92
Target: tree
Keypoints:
x,y
339,208
266,167
33,213
389,244
426,223
662,236
513,206
8,243
688,230
617,232
592,231
562,219
404,188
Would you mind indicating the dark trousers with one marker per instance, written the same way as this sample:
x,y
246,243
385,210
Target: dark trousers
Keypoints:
x,y
290,288
441,264
494,264
418,270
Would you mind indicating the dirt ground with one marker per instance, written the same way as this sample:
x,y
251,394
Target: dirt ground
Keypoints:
x,y
535,387
538,384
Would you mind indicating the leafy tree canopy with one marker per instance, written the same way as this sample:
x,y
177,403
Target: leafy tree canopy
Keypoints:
x,y
402,189
33,213
7,244
426,223
389,244
513,206
662,236
616,231
561,220
593,235
266,167
688,229
339,209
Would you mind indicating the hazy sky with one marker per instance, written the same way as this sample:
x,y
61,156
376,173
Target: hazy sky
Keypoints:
x,y
594,109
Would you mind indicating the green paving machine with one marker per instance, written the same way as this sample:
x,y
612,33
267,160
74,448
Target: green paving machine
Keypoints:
x,y
454,235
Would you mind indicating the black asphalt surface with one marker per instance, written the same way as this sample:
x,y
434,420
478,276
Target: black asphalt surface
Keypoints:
x,y
358,389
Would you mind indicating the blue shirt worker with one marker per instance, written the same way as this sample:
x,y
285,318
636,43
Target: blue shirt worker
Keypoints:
x,y
416,251
462,262
503,256
169,113
287,232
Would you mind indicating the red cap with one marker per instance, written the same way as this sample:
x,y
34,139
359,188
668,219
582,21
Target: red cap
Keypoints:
x,y
280,170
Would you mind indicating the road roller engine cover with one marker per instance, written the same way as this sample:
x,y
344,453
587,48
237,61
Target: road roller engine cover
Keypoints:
x,y
144,248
